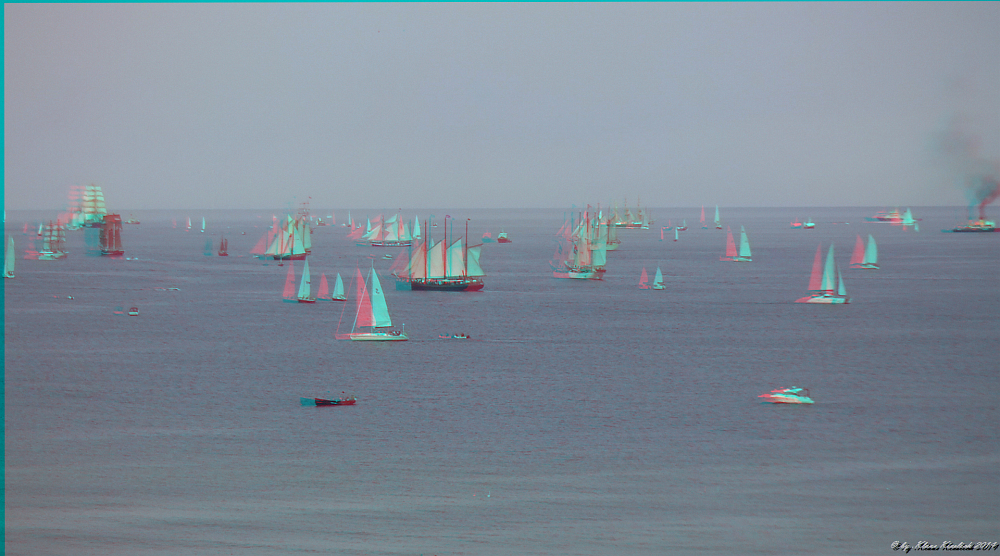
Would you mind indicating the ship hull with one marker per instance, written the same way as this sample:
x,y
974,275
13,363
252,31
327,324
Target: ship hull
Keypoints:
x,y
824,299
378,337
446,285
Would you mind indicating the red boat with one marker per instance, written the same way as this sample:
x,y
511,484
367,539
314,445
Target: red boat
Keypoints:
x,y
346,400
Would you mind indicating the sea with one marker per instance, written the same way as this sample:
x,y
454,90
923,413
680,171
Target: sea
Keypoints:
x,y
582,417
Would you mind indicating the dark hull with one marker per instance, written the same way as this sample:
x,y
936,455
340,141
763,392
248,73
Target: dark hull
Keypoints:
x,y
447,285
295,257
323,402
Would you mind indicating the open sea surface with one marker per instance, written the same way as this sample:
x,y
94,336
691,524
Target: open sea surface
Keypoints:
x,y
583,418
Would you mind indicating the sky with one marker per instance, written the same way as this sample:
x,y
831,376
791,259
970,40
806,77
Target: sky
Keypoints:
x,y
411,105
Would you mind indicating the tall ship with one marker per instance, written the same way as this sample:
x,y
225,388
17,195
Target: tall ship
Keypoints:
x,y
53,242
88,210
583,256
638,220
111,236
442,267
393,232
292,240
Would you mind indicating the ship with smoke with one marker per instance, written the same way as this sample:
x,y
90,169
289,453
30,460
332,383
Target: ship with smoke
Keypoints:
x,y
983,193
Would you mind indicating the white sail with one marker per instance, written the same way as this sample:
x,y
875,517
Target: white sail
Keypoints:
x,y
417,269
828,272
473,262
841,290
599,256
416,228
744,244
871,252
8,259
717,222
306,237
338,288
435,261
456,259
380,311
305,286
203,224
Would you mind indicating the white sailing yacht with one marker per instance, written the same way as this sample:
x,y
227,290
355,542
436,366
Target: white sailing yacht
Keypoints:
x,y
865,257
741,256
372,321
305,286
8,259
822,288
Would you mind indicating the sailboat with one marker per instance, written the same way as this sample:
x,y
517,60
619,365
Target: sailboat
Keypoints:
x,y
188,227
865,257
743,255
643,280
8,259
372,321
821,282
90,210
305,293
223,247
338,290
442,267
718,223
53,243
390,233
111,235
683,227
658,280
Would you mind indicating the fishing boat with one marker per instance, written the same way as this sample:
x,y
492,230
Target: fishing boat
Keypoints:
x,y
808,224
111,236
305,286
741,256
822,287
441,267
502,237
223,247
865,257
346,399
53,243
372,321
643,280
787,395
658,280
8,259
796,224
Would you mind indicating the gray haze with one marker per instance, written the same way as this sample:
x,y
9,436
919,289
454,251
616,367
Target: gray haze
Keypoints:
x,y
494,105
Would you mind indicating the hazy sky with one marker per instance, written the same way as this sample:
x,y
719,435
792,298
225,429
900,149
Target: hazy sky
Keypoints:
x,y
495,105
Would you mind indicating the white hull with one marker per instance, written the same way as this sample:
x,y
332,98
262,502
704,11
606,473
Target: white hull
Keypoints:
x,y
825,299
378,337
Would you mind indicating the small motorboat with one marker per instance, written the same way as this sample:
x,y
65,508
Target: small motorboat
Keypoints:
x,y
461,336
787,395
133,312
347,399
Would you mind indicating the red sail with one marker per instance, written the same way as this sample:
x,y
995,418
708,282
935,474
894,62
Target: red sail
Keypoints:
x,y
816,278
364,303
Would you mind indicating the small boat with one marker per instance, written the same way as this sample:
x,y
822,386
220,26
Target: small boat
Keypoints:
x,y
132,220
8,259
683,227
338,290
787,395
133,312
658,280
808,224
502,237
304,295
372,321
821,283
346,399
865,257
741,256
387,257
460,336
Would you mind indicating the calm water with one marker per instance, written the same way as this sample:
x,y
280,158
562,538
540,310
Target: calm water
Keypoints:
x,y
583,418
